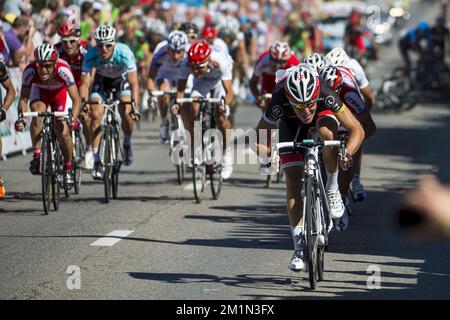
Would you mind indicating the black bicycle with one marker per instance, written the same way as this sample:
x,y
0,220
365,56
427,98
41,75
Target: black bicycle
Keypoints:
x,y
207,170
77,155
51,160
110,149
317,213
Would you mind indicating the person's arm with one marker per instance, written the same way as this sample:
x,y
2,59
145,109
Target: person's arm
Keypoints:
x,y
263,150
356,137
10,93
73,93
253,85
243,54
151,78
85,84
369,98
228,86
134,84
24,97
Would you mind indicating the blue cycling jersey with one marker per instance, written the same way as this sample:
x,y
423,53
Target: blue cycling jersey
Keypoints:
x,y
121,62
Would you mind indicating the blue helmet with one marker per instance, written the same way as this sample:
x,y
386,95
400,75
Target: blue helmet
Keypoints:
x,y
422,26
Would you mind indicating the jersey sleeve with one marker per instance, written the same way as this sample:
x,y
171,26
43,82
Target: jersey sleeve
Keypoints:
x,y
275,110
129,59
331,100
28,75
184,71
360,75
160,51
226,67
89,61
66,75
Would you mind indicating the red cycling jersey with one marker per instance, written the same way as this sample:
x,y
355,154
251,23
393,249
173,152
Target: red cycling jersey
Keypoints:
x,y
52,92
75,62
266,69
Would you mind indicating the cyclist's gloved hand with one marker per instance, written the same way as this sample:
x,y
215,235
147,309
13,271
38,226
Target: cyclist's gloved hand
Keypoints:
x,y
74,124
345,161
84,107
135,115
20,124
2,114
260,102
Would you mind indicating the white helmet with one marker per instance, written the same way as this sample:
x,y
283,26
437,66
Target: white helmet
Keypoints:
x,y
105,34
178,40
337,56
332,76
280,51
316,61
302,86
46,52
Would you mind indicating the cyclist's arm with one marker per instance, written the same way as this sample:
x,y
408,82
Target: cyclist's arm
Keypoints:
x,y
134,83
253,85
260,148
24,97
73,93
243,54
10,93
151,77
228,86
346,118
369,98
85,84
181,86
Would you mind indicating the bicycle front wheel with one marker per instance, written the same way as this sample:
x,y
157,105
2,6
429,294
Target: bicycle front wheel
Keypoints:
x,y
57,177
116,165
46,173
311,231
107,164
199,182
78,156
215,178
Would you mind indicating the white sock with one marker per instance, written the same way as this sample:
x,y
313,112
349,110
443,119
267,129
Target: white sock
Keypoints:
x,y
296,236
332,181
89,148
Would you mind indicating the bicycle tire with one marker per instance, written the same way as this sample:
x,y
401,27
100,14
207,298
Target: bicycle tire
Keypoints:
x,y
116,166
180,173
78,157
269,181
46,172
107,164
216,181
56,175
199,182
311,232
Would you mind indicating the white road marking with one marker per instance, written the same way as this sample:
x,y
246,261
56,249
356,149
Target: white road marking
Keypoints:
x,y
112,238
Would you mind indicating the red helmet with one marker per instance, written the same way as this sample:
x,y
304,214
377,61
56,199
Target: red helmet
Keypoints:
x,y
280,51
209,33
199,53
68,29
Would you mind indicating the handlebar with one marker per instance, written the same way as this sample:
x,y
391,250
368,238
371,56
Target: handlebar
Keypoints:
x,y
44,114
200,100
310,143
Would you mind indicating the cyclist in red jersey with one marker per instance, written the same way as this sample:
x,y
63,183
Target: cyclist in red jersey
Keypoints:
x,y
73,51
48,82
279,56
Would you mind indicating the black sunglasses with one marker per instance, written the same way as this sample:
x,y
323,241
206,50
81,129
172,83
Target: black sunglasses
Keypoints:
x,y
69,41
107,45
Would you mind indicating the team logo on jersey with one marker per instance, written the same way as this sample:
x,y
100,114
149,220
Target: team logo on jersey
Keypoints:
x,y
277,111
66,75
353,100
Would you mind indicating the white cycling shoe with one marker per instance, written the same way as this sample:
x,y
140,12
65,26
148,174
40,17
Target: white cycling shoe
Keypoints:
x,y
342,223
297,261
227,167
88,162
336,204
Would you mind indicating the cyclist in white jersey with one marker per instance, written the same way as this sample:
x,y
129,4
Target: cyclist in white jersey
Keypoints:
x,y
115,67
163,73
212,72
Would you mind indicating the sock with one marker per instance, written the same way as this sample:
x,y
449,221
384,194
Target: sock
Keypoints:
x,y
96,154
36,152
297,236
89,148
67,165
126,140
332,181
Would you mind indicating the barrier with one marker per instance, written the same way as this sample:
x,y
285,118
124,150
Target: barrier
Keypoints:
x,y
13,141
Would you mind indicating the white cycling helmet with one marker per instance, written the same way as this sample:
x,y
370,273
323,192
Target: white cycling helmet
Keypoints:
x,y
105,34
280,51
302,86
332,76
46,52
316,61
178,40
337,56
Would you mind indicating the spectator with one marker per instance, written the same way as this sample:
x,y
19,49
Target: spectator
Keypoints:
x,y
4,49
19,41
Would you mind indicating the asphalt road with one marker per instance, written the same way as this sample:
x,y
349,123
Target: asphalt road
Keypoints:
x,y
237,247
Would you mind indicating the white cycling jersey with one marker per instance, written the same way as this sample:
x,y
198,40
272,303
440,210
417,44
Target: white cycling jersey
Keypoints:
x,y
358,72
220,69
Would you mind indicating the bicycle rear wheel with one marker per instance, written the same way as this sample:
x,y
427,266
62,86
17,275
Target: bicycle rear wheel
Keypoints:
x,y
46,173
311,232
